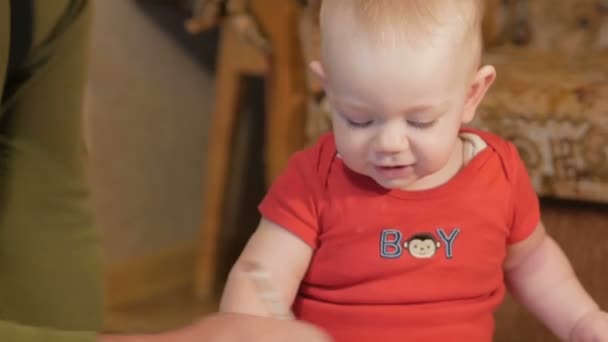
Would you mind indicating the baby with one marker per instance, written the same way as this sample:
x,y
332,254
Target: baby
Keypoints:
x,y
401,223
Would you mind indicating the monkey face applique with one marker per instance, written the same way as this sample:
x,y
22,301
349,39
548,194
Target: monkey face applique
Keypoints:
x,y
419,246
422,246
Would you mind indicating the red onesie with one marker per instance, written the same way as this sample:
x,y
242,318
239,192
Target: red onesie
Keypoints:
x,y
404,265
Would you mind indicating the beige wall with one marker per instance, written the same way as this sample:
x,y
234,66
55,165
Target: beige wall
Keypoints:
x,y
147,106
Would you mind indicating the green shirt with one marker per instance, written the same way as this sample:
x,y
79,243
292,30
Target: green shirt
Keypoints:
x,y
50,260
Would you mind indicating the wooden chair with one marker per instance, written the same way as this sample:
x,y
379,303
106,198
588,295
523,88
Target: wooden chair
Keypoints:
x,y
240,54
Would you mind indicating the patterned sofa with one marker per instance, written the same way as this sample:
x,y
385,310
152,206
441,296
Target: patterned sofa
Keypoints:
x,y
551,94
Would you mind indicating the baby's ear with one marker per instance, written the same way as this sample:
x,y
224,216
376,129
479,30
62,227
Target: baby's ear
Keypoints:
x,y
479,87
317,70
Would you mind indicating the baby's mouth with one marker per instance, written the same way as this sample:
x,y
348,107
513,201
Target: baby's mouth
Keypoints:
x,y
394,171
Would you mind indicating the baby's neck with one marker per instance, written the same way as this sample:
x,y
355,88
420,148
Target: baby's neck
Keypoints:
x,y
468,146
472,144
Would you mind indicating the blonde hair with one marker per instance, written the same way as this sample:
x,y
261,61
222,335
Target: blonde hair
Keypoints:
x,y
410,21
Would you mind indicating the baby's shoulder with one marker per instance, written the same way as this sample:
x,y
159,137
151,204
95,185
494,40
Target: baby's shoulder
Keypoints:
x,y
504,149
314,161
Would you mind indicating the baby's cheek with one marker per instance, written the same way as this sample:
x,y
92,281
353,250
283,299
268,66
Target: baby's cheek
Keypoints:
x,y
435,154
350,146
354,162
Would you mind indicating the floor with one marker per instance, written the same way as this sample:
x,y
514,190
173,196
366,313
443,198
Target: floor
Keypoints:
x,y
160,314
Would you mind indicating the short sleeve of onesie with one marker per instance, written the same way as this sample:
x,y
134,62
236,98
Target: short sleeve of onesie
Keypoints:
x,y
524,199
293,200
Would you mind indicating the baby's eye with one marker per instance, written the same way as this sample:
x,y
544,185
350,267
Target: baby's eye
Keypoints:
x,y
421,125
359,124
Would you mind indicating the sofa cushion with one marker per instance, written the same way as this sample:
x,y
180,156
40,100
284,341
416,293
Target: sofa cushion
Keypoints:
x,y
555,109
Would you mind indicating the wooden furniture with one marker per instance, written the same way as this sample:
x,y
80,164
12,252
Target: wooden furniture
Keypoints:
x,y
280,63
581,229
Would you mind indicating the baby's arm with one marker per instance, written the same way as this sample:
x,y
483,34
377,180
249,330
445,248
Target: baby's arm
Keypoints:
x,y
541,277
277,251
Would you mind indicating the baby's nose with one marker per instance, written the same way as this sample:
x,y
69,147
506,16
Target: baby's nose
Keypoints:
x,y
392,140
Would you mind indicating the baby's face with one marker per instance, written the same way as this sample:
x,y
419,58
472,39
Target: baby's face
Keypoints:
x,y
397,111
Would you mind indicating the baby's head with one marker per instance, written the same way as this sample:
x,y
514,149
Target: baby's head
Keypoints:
x,y
401,77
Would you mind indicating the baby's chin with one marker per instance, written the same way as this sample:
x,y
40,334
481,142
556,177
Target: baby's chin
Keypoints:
x,y
388,184
413,183
395,184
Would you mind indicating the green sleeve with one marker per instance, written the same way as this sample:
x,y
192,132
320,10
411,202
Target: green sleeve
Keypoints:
x,y
50,257
19,333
